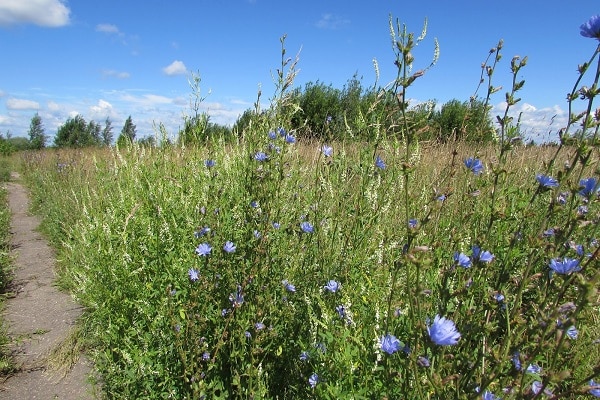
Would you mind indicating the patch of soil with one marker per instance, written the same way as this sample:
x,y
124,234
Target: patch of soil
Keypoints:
x,y
39,317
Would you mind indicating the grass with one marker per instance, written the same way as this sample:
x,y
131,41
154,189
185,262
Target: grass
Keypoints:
x,y
265,267
5,261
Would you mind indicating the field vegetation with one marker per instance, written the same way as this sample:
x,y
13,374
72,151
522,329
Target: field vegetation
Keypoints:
x,y
338,258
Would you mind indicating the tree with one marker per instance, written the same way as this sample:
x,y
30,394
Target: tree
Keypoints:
x,y
128,131
107,134
76,132
37,137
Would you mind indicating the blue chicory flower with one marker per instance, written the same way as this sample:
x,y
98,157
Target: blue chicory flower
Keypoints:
x,y
591,28
259,326
229,247
313,380
462,260
546,181
474,164
379,163
533,369
272,135
516,360
237,299
390,344
260,156
423,361
341,310
594,388
572,332
564,267
248,335
304,356
203,249
193,274
290,139
482,256
288,286
306,227
201,232
412,223
548,232
487,395
206,356
209,163
332,286
443,332
327,150
588,187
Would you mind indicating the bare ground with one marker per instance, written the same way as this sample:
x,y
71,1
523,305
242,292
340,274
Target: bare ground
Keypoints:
x,y
39,317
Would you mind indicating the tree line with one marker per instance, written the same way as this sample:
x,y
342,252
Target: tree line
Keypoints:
x,y
321,112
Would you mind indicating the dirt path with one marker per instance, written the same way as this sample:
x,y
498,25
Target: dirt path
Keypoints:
x,y
39,316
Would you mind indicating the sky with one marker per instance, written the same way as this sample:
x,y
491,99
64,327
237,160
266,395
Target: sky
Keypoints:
x,y
116,58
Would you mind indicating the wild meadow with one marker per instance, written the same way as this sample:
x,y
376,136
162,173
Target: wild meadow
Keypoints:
x,y
270,266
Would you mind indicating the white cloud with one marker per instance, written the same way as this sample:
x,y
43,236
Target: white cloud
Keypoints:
x,y
175,68
2,93
5,120
102,110
107,28
109,73
47,13
330,21
53,106
21,104
147,100
539,124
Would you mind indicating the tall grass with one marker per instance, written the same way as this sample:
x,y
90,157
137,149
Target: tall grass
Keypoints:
x,y
272,268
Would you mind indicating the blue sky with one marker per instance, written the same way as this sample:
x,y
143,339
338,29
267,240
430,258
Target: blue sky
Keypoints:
x,y
116,58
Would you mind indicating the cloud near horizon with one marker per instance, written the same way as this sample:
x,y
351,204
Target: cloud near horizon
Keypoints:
x,y
44,13
175,68
22,104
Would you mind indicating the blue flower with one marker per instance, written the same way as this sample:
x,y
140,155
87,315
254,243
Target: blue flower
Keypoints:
x,y
209,163
379,163
412,223
548,232
206,356
248,335
588,186
390,344
276,225
536,387
441,197
257,234
332,286
282,132
193,274
546,181
499,297
290,139
201,232
237,299
327,150
306,227
423,361
259,326
462,260
562,198
534,369
260,156
272,135
482,256
516,360
341,310
565,267
229,247
304,356
572,332
591,28
474,164
487,395
595,388
288,286
313,380
443,332
203,249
